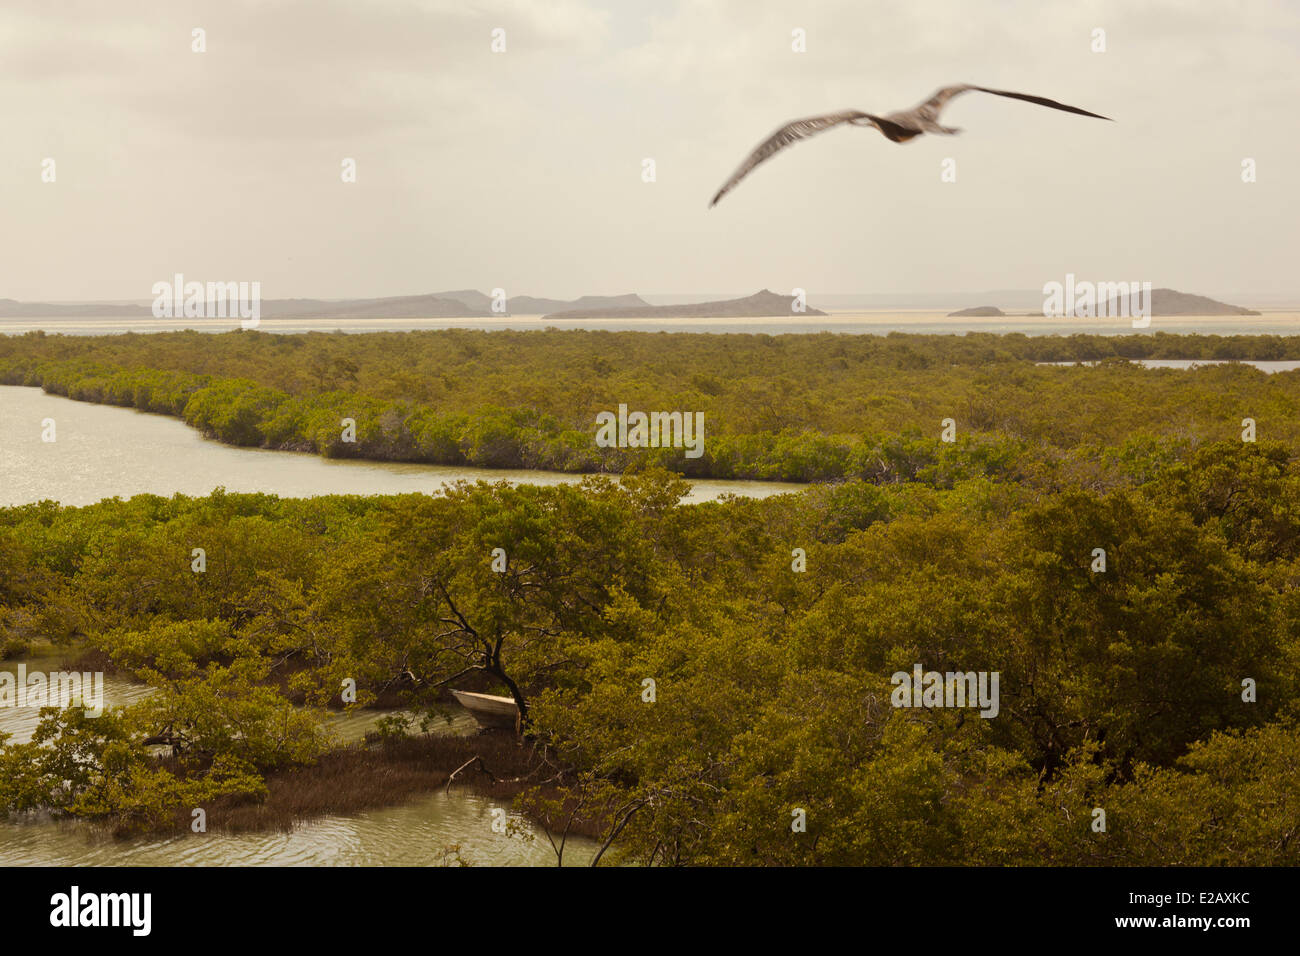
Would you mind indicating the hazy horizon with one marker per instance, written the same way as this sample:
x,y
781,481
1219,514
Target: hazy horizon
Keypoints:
x,y
841,301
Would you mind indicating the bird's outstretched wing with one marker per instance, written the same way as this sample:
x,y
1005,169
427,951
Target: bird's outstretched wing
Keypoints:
x,y
791,132
930,109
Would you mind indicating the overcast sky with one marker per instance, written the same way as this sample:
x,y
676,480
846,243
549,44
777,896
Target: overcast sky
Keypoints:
x,y
523,169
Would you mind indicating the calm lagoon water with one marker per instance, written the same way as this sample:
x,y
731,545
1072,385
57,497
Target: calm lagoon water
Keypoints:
x,y
1264,365
417,833
103,450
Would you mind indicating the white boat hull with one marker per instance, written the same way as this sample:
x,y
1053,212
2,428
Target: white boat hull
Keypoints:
x,y
489,709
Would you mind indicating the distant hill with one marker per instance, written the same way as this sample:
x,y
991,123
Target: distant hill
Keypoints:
x,y
392,307
1171,302
528,305
470,297
1164,302
762,303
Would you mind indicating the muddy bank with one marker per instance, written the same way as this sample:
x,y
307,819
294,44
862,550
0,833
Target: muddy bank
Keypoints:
x,y
381,772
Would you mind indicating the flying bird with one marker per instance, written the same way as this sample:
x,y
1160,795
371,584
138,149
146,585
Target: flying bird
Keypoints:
x,y
897,127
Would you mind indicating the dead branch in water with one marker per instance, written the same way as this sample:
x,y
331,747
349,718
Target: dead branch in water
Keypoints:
x,y
481,766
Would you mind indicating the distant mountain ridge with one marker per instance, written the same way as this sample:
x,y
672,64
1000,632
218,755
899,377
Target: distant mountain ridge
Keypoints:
x,y
761,304
11,308
471,303
465,303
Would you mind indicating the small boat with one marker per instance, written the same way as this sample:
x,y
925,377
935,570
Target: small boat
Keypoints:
x,y
489,709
